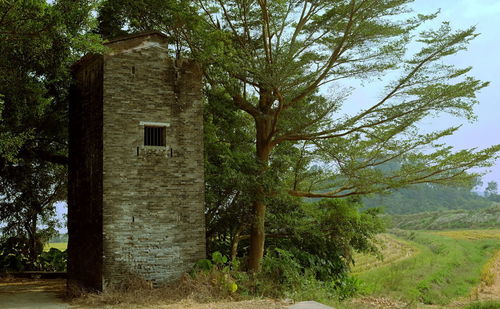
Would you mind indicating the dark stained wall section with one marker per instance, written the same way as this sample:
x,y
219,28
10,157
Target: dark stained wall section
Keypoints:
x,y
85,177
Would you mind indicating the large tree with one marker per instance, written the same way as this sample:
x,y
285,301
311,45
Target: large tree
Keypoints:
x,y
275,60
39,40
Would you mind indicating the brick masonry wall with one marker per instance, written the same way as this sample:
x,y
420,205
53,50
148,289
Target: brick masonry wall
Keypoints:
x,y
153,199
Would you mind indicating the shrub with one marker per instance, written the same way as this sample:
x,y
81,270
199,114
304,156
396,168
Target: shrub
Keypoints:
x,y
14,257
283,275
53,260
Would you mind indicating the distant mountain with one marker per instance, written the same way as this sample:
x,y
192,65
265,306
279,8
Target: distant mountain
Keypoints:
x,y
449,219
427,197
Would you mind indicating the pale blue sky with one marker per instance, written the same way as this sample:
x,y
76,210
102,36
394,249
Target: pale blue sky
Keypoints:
x,y
483,55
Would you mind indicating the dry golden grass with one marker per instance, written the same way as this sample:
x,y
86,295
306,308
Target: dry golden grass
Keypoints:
x,y
203,292
488,271
471,234
392,250
191,304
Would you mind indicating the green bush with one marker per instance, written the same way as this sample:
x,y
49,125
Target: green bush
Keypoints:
x,y
53,260
217,272
14,257
13,254
284,276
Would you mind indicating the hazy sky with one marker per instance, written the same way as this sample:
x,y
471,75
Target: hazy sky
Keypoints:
x,y
483,55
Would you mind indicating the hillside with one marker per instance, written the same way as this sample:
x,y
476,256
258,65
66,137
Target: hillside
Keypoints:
x,y
427,197
450,219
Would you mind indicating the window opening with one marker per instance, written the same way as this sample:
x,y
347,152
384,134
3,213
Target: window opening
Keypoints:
x,y
154,136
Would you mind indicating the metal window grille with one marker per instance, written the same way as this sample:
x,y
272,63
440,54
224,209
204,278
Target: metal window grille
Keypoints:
x,y
154,136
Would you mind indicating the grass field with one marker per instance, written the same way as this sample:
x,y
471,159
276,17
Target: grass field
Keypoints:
x,y
428,268
392,250
58,245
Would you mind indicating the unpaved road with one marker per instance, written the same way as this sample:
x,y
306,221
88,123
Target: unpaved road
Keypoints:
x,y
492,292
32,294
48,294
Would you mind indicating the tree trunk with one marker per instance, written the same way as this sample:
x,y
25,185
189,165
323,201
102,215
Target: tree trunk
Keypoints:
x,y
32,241
257,237
257,230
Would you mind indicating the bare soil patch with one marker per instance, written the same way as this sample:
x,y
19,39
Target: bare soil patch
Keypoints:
x,y
32,294
191,304
491,290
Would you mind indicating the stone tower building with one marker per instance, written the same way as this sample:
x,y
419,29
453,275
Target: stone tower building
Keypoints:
x,y
135,193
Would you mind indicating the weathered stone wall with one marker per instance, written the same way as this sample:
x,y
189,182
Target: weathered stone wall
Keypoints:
x,y
153,199
85,177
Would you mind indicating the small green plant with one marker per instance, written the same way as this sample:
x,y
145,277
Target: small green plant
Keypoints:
x,y
217,270
52,260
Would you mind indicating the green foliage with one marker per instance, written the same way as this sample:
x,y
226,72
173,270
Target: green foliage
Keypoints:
x,y
217,271
229,170
323,235
52,260
283,276
40,41
217,262
218,258
14,254
491,191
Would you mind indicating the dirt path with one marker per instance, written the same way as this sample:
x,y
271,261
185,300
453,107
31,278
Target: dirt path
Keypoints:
x,y
492,292
32,294
48,294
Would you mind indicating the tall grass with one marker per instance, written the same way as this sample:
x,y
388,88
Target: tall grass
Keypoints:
x,y
445,269
484,305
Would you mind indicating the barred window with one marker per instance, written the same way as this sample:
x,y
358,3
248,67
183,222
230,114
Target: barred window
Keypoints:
x,y
154,136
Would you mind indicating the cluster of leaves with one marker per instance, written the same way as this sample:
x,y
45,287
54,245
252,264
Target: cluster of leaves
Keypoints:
x,y
219,270
491,191
52,260
15,256
40,41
